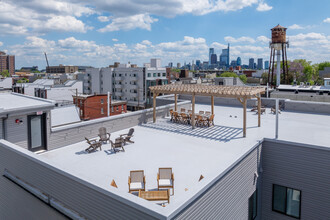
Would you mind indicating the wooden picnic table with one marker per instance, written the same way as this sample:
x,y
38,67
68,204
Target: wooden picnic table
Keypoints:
x,y
157,195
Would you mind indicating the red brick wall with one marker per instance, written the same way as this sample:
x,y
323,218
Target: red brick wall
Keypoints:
x,y
117,109
90,108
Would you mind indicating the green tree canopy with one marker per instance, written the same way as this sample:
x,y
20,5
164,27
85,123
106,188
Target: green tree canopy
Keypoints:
x,y
228,74
5,73
243,78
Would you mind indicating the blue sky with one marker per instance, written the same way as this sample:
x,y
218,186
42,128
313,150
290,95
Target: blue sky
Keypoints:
x,y
100,32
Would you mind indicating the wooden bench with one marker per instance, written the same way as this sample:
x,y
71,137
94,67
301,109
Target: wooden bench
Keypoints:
x,y
155,195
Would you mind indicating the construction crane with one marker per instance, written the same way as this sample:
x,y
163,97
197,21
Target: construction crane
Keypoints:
x,y
46,61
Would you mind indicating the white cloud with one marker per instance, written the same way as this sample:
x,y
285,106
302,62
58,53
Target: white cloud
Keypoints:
x,y
240,39
114,39
103,18
327,20
64,23
263,6
142,21
22,17
1,43
263,39
146,42
296,27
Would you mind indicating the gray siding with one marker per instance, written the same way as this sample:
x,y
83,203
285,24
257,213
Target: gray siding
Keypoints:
x,y
228,197
17,133
60,137
84,198
1,129
305,168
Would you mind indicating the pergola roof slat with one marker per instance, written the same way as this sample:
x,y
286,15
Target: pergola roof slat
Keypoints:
x,y
210,90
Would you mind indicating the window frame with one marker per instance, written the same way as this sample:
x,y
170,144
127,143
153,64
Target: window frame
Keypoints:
x,y
286,201
253,217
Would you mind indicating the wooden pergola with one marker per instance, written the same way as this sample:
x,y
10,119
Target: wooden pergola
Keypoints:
x,y
241,93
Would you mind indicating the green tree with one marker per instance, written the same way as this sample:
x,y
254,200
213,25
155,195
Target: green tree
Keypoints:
x,y
321,66
243,78
228,74
5,73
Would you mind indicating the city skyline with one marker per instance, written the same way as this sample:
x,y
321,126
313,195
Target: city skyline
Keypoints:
x,y
98,34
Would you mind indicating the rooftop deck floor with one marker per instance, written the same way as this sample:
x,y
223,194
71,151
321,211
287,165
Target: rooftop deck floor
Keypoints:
x,y
191,153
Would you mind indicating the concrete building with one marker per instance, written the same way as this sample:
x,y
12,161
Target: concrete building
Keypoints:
x,y
7,62
239,61
97,80
266,65
155,76
214,59
155,63
211,51
178,65
225,57
228,81
251,63
260,64
218,173
61,69
96,106
47,89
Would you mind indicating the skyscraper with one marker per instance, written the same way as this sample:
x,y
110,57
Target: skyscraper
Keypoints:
x,y
251,63
239,61
266,64
260,64
7,62
211,51
214,59
198,63
224,57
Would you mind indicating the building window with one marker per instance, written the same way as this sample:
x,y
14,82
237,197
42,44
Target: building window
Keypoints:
x,y
158,74
122,107
286,200
149,74
253,205
102,101
154,74
102,112
112,108
164,74
117,108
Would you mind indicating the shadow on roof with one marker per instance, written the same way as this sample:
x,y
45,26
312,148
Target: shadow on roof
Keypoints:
x,y
216,132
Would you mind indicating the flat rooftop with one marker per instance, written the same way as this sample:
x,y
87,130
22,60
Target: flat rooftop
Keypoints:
x,y
191,153
10,102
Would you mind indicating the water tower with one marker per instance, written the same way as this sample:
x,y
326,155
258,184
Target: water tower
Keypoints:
x,y
278,45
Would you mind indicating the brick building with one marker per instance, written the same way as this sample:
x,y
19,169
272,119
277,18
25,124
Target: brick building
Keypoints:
x,y
7,62
95,106
61,69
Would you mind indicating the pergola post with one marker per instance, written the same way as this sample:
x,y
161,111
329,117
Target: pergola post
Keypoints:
x,y
193,111
244,117
154,107
212,105
259,110
175,102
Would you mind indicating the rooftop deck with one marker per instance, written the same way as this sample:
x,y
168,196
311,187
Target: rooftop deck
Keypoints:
x,y
190,152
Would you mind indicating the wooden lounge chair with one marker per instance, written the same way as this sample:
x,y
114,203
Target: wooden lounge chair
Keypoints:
x,y
177,117
184,118
201,121
127,137
119,143
93,145
171,114
104,136
165,178
136,181
189,111
210,120
207,113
